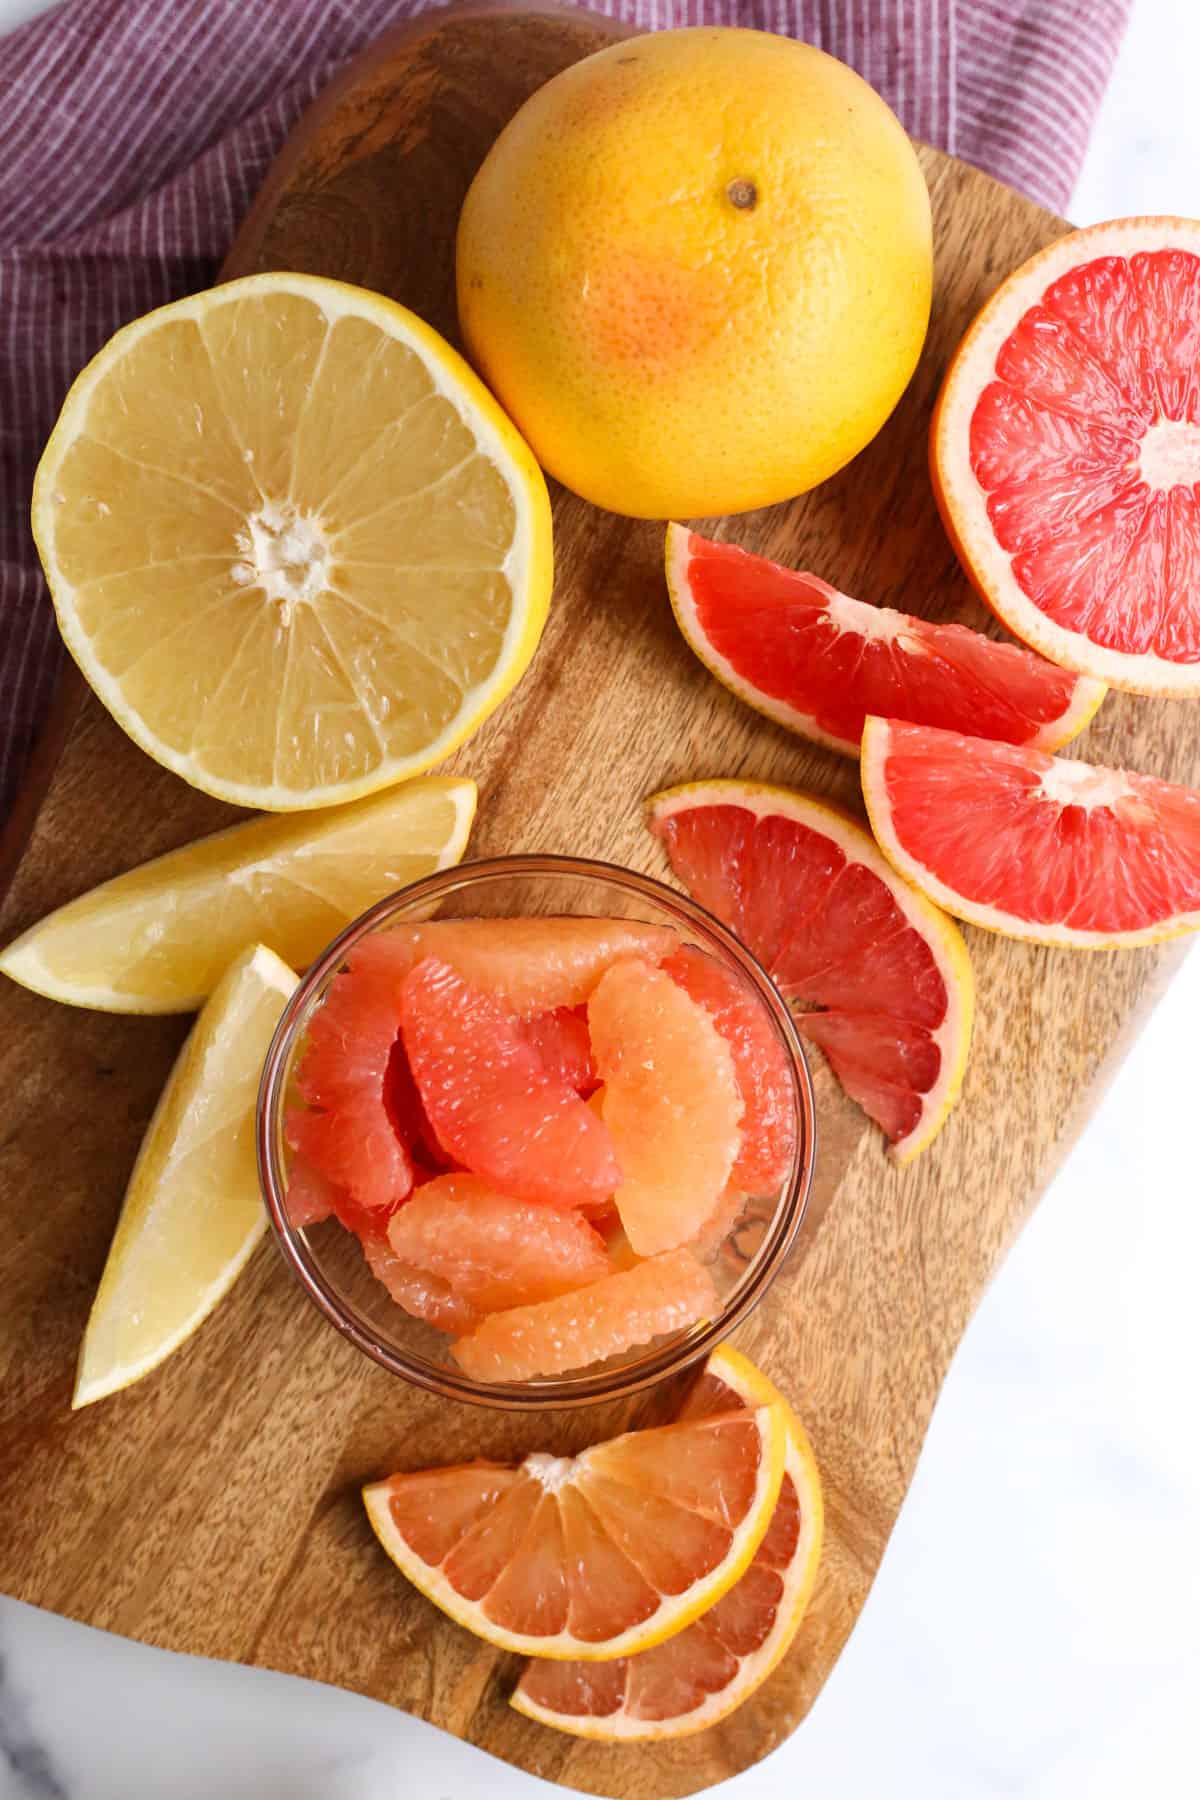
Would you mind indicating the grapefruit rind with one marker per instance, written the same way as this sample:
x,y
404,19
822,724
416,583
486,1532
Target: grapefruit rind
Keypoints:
x,y
1085,701
876,738
953,1035
675,1612
752,1388
961,500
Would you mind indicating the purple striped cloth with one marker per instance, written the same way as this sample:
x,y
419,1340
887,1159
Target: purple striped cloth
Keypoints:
x,y
137,131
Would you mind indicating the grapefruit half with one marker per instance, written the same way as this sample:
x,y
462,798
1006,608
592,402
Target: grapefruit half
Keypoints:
x,y
817,661
1034,846
886,975
1066,453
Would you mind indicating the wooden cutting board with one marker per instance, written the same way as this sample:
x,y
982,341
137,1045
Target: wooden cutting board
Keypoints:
x,y
215,1507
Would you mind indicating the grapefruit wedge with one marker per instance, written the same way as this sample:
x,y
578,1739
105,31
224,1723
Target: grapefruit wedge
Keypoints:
x,y
707,1671
885,975
1034,846
818,661
1066,454
597,1555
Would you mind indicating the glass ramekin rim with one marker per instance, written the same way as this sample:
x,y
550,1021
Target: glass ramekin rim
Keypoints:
x,y
677,1352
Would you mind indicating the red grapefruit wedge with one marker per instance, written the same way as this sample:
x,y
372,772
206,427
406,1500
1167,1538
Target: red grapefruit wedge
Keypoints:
x,y
1066,454
886,976
1034,846
818,662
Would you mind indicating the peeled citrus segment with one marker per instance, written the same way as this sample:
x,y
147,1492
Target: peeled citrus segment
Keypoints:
x,y
596,1555
661,1296
533,966
808,891
562,1040
310,1198
421,1292
493,1251
759,1063
192,1212
818,661
671,1103
707,1671
159,938
1066,454
293,543
1034,846
492,1101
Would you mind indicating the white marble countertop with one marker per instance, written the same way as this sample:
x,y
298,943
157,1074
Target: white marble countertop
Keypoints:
x,y
1033,1631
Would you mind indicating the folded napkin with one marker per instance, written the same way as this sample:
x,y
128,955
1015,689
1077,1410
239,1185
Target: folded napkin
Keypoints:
x,y
137,131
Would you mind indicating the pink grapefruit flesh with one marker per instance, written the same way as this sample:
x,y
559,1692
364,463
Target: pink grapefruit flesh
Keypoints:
x,y
1031,845
1066,454
818,661
561,1040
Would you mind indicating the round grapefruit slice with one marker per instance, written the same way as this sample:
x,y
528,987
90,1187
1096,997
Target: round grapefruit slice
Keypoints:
x,y
707,1671
1034,846
597,1555
1066,454
885,975
818,661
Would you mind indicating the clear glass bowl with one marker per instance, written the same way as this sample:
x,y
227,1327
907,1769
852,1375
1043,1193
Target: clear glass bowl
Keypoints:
x,y
327,1260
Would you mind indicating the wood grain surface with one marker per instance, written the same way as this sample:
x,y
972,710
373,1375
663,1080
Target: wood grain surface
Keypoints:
x,y
215,1507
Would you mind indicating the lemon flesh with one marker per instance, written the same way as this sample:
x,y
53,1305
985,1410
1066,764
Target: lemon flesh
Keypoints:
x,y
192,1212
293,543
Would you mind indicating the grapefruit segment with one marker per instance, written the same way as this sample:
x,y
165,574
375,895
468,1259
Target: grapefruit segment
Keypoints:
x,y
492,1101
808,891
1034,846
665,1294
759,1065
671,1103
493,1251
1066,454
818,661
705,1672
549,1557
421,1292
561,1040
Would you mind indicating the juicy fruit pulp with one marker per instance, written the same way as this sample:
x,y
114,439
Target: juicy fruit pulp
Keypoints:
x,y
1032,845
1066,453
592,1556
816,660
708,1670
806,889
671,1103
642,200
159,938
192,1212
293,543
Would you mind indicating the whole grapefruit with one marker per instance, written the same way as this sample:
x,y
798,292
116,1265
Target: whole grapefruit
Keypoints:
x,y
695,268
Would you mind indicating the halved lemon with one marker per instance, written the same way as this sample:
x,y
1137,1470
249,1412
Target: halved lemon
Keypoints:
x,y
192,1212
293,543
706,1672
159,938
597,1555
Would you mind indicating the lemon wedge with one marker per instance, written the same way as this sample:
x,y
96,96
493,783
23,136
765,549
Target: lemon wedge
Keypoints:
x,y
159,938
293,543
192,1212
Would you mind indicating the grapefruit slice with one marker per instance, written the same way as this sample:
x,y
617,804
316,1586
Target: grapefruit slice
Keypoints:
x,y
592,1556
420,1292
671,1103
818,662
661,1296
1066,454
492,1101
1034,846
807,890
707,1671
759,1064
492,1251
562,1041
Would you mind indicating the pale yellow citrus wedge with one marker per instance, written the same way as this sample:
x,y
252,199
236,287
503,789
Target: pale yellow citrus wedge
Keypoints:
x,y
192,1212
293,543
159,938
593,1556
706,1672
